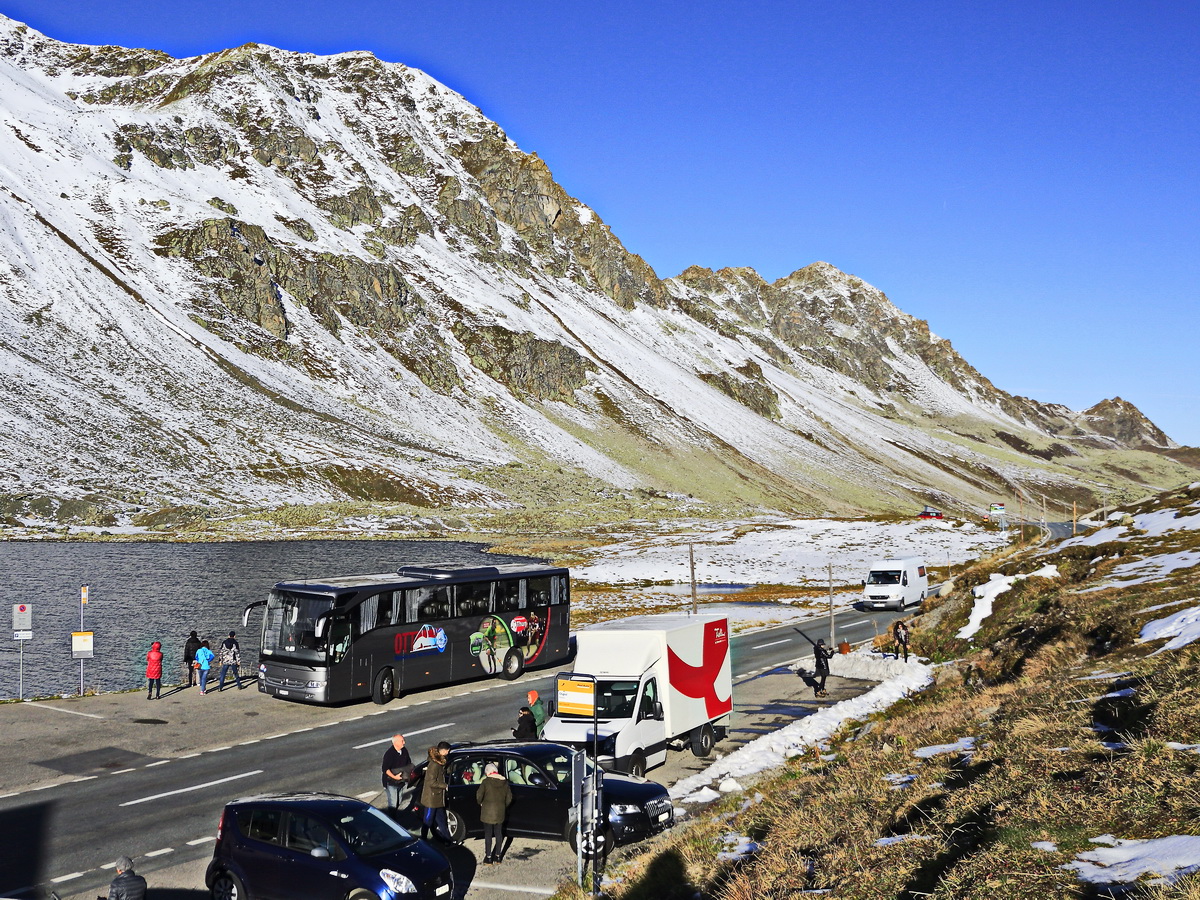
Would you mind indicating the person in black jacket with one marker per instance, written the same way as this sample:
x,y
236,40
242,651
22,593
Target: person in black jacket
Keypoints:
x,y
397,773
821,657
190,646
526,729
128,885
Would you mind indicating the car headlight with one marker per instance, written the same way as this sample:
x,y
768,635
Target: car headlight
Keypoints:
x,y
625,809
399,884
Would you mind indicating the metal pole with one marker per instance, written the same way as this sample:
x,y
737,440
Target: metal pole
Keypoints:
x,y
832,641
21,672
692,566
82,601
596,781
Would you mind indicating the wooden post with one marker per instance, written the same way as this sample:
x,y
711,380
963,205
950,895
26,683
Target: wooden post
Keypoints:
x,y
692,566
832,641
1074,516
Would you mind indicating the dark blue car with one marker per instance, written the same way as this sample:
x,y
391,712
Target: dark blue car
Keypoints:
x,y
309,846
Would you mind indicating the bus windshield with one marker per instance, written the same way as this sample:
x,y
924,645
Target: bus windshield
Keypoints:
x,y
290,625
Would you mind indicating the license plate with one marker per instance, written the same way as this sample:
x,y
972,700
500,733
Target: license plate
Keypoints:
x,y
662,817
444,889
283,693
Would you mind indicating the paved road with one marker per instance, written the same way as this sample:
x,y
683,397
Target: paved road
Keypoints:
x,y
163,809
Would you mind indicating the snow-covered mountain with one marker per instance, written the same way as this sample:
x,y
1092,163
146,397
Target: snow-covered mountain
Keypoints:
x,y
261,277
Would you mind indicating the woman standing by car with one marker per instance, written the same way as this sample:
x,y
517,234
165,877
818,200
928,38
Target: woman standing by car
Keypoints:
x,y
494,795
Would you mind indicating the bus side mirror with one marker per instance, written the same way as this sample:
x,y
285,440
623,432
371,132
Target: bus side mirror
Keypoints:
x,y
319,625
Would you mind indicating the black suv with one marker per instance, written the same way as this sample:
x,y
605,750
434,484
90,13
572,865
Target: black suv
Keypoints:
x,y
308,846
539,774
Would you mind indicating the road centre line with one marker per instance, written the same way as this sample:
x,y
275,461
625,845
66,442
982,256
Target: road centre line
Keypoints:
x,y
198,841
195,787
162,852
161,762
123,771
771,644
60,709
407,735
61,878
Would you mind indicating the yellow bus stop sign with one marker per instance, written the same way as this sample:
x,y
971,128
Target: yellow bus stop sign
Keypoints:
x,y
576,698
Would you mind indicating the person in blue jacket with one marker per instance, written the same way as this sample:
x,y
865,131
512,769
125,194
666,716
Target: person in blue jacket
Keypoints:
x,y
204,658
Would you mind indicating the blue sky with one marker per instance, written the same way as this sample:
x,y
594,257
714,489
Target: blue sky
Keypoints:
x,y
1023,175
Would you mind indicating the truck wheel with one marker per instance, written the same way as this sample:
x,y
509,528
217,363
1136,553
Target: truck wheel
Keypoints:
x,y
514,664
637,765
385,687
703,741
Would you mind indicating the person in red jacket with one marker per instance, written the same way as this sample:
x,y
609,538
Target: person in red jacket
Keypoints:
x,y
154,671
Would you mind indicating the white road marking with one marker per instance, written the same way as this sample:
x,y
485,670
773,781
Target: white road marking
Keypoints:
x,y
272,737
123,771
161,762
84,778
198,841
515,888
13,794
407,734
365,794
195,787
72,712
61,878
248,743
162,852
218,749
190,756
771,644
859,622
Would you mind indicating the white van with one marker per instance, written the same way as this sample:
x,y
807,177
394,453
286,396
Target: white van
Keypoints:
x,y
895,583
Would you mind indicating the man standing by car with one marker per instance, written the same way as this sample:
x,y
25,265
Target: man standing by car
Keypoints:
x,y
128,885
397,772
433,794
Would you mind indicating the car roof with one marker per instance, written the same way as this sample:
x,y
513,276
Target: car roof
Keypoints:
x,y
512,747
308,799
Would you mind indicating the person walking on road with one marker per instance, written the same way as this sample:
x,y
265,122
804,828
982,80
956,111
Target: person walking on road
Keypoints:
x,y
901,633
526,730
128,885
494,795
204,660
397,773
229,655
538,710
433,794
154,661
821,657
190,646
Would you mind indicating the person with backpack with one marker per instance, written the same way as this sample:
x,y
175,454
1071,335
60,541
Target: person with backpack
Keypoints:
x,y
230,657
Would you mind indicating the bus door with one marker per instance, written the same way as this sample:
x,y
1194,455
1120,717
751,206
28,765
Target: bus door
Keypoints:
x,y
340,661
424,646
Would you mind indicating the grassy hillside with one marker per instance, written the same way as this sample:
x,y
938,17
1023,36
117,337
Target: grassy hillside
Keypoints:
x,y
1082,729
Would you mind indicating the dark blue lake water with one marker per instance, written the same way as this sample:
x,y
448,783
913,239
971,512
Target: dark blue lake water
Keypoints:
x,y
139,593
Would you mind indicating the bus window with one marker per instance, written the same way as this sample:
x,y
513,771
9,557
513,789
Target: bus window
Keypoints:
x,y
558,590
387,609
473,599
539,591
508,596
368,612
429,603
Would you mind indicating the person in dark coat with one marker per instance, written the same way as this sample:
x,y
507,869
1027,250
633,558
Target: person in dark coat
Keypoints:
x,y
526,729
494,795
128,885
821,657
397,772
433,794
901,634
229,655
190,646
154,671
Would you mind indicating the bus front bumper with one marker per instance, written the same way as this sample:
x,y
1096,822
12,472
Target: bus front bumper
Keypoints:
x,y
291,683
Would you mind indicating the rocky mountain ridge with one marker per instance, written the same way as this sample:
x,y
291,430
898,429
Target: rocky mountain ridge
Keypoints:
x,y
260,277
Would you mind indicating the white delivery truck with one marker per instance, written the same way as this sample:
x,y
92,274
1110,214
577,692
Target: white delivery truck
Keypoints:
x,y
895,583
661,681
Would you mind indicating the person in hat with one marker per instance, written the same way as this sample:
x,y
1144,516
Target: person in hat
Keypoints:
x,y
128,885
154,661
538,710
494,796
821,657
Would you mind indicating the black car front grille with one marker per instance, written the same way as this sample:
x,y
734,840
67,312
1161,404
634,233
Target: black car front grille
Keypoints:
x,y
657,807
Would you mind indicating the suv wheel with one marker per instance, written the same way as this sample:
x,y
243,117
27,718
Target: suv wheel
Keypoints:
x,y
362,894
596,844
456,826
228,886
385,687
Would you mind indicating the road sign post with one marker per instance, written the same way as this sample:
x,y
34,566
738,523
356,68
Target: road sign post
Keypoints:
x,y
577,697
22,632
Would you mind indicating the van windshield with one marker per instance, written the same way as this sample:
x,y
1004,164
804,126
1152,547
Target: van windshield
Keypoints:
x,y
878,577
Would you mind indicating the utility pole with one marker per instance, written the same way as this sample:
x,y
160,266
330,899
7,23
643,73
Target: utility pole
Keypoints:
x,y
692,566
1021,514
1074,517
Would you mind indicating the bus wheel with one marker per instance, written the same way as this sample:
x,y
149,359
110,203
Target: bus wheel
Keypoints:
x,y
514,664
385,687
703,740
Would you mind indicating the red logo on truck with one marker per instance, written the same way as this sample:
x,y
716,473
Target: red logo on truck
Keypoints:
x,y
700,682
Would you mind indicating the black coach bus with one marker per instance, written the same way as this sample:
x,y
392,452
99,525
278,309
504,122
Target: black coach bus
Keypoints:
x,y
355,636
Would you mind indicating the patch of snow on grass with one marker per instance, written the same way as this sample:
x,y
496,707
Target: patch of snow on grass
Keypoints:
x,y
985,595
1182,628
1126,861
